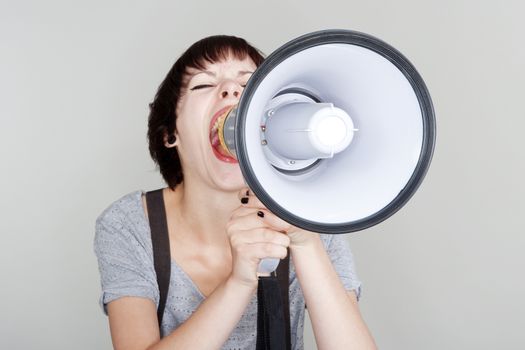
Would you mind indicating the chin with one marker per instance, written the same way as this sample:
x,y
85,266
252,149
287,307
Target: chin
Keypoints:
x,y
228,180
225,173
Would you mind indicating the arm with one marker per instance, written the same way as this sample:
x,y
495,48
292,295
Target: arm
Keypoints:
x,y
335,316
325,295
133,321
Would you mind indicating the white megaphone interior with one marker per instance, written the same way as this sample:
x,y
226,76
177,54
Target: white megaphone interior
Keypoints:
x,y
370,173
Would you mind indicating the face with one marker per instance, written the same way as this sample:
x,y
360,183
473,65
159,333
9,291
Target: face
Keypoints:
x,y
208,92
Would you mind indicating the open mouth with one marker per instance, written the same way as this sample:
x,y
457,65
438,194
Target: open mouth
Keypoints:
x,y
216,125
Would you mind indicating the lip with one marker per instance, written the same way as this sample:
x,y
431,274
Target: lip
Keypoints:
x,y
216,116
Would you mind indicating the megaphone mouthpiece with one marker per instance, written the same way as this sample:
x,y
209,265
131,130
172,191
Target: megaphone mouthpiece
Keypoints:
x,y
308,130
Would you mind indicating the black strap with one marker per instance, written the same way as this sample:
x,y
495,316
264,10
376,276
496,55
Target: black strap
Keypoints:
x,y
273,291
283,271
161,246
273,310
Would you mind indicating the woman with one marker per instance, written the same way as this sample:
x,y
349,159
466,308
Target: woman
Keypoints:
x,y
218,231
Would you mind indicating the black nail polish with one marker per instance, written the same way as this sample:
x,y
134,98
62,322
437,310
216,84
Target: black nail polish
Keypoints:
x,y
260,214
244,200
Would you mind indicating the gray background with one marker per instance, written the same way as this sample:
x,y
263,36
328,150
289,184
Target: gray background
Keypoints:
x,y
75,82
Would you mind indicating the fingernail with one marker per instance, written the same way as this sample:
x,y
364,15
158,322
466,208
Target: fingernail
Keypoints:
x,y
244,200
260,214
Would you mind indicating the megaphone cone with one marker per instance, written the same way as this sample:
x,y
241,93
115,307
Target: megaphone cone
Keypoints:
x,y
334,132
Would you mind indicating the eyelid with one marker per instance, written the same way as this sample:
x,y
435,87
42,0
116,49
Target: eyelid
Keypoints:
x,y
201,86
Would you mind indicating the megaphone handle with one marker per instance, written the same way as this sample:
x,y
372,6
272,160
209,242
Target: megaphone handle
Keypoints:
x,y
268,265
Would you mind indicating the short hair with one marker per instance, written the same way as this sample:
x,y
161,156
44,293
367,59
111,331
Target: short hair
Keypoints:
x,y
162,118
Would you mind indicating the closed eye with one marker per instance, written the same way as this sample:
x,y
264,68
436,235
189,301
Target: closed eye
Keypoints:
x,y
203,86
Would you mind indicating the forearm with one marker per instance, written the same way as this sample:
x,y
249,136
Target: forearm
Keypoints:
x,y
212,323
336,320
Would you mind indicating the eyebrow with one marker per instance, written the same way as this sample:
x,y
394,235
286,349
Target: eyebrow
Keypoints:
x,y
240,73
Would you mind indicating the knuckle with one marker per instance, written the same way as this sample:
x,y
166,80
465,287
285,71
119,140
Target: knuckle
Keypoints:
x,y
279,239
229,225
267,235
268,248
241,249
234,240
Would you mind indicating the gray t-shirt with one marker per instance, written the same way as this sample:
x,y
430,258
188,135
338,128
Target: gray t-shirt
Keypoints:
x,y
123,247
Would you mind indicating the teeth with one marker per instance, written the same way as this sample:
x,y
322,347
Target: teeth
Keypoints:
x,y
214,136
215,126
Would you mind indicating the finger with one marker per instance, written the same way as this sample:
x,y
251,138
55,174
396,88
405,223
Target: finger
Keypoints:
x,y
267,218
245,220
251,201
259,235
273,221
244,192
266,250
243,211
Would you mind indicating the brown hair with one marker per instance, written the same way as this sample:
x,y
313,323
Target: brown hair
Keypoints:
x,y
162,118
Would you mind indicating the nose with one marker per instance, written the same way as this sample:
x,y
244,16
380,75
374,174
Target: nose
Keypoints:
x,y
230,89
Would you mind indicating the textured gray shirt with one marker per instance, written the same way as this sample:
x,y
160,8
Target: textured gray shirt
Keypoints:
x,y
125,257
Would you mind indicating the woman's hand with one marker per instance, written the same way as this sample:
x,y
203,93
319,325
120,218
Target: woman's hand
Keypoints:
x,y
254,234
298,237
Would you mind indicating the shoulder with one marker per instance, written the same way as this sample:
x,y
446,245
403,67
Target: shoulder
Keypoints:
x,y
123,220
124,206
337,246
329,240
124,252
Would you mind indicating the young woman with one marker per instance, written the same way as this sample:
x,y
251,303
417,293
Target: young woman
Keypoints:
x,y
218,231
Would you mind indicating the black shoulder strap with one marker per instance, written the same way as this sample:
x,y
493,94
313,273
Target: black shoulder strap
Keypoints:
x,y
161,246
283,277
273,310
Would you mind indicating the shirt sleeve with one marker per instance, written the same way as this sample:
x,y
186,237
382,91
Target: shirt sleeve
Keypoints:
x,y
342,259
125,259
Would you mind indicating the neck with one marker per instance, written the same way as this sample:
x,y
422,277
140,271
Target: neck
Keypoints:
x,y
201,212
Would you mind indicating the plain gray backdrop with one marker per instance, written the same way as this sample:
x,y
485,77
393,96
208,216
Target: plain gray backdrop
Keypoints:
x,y
76,77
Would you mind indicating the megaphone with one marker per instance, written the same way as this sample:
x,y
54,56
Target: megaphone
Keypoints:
x,y
334,132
